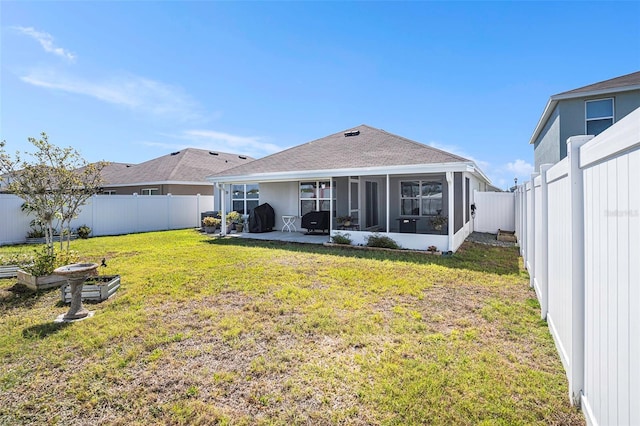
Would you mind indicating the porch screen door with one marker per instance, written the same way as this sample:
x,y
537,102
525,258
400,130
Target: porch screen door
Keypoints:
x,y
371,203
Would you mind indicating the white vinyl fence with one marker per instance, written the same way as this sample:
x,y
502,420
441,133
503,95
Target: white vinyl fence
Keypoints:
x,y
494,210
578,223
113,214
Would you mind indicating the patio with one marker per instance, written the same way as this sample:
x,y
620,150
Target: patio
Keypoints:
x,y
291,237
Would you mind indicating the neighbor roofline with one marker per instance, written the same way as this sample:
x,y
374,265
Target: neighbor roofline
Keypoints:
x,y
553,101
163,182
468,166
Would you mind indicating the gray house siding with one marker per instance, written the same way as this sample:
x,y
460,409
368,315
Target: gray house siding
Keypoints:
x,y
546,148
568,119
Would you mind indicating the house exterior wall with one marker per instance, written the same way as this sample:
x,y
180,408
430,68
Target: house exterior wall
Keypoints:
x,y
546,148
283,197
568,119
422,226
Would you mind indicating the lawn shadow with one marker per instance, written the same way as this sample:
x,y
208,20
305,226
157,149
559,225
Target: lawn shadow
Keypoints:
x,y
19,296
471,255
44,330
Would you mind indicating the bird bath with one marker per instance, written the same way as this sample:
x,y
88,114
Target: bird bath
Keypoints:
x,y
76,274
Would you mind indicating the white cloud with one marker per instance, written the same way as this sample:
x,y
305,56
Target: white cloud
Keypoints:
x,y
46,41
133,92
520,168
254,146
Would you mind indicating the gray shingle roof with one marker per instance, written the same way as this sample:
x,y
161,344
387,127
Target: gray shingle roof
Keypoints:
x,y
370,148
187,165
632,79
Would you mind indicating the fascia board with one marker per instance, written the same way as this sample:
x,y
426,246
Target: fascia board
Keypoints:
x,y
363,171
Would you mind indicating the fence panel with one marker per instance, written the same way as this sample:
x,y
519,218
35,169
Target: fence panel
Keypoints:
x,y
113,214
494,210
612,291
559,254
14,224
580,220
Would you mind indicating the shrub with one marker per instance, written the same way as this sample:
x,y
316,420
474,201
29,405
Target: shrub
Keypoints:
x,y
44,262
83,231
377,240
20,259
233,217
211,221
339,238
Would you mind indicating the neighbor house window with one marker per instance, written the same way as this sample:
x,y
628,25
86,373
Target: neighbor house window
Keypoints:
x,y
599,115
244,198
109,192
150,191
420,197
315,196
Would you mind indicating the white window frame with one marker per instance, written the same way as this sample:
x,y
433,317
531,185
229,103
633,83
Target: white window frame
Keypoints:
x,y
317,200
244,198
420,197
109,192
612,116
148,191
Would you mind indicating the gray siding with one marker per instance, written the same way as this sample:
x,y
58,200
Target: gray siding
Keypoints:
x,y
568,120
546,148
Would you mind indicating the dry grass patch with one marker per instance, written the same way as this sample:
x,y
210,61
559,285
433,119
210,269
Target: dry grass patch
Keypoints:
x,y
243,332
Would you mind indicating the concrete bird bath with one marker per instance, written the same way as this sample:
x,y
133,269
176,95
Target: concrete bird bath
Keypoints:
x,y
76,274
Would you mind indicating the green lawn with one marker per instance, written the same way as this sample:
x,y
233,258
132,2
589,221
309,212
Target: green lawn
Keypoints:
x,y
232,331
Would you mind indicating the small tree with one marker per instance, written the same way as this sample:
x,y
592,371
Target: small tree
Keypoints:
x,y
54,183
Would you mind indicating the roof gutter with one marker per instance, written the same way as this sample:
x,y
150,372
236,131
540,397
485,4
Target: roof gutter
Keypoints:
x,y
332,173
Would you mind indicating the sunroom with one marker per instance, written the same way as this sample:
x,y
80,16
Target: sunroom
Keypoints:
x,y
415,194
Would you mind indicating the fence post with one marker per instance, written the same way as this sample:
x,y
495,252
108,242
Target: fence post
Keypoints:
x,y
532,255
543,265
576,379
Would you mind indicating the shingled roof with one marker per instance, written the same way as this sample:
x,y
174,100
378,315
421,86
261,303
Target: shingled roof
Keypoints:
x,y
624,81
358,147
189,165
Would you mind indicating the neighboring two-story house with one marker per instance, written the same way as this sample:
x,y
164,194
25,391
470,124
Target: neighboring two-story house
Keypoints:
x,y
587,110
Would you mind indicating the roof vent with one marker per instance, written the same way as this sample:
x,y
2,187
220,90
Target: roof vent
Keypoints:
x,y
242,157
213,153
352,133
175,153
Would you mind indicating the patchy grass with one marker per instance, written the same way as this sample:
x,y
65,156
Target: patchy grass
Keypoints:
x,y
230,331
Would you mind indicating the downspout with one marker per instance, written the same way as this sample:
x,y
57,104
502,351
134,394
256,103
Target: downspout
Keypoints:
x,y
450,207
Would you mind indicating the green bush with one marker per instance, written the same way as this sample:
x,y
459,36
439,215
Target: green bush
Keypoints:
x,y
339,238
44,263
377,240
83,231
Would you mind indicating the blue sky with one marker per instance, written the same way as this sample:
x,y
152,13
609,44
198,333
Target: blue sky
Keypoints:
x,y
130,81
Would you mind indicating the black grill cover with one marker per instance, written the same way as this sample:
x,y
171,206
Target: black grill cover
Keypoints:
x,y
262,218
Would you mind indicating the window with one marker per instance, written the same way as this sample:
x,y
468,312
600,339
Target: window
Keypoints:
x,y
244,198
109,192
315,196
420,198
599,115
150,191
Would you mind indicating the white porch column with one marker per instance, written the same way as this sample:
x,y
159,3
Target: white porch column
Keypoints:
x,y
388,220
450,207
333,194
223,209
